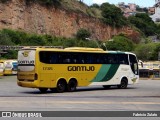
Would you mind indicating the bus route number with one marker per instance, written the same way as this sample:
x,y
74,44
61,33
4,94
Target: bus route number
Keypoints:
x,y
47,68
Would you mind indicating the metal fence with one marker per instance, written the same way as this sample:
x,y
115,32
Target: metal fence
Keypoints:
x,y
5,47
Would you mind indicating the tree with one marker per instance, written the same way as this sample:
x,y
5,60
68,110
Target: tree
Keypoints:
x,y
82,34
121,43
95,6
35,40
144,23
113,15
156,51
5,39
146,51
14,35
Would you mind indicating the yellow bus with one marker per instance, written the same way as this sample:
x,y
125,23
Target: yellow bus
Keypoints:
x,y
1,68
69,68
10,67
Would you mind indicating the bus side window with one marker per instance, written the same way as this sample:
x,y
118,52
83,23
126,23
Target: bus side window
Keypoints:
x,y
44,57
123,59
53,58
112,59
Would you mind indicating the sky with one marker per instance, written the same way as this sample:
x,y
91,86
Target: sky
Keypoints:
x,y
141,3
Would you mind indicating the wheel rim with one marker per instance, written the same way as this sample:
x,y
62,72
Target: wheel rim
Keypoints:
x,y
123,84
60,87
72,86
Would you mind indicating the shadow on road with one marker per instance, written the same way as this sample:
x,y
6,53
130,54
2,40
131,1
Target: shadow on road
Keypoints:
x,y
79,89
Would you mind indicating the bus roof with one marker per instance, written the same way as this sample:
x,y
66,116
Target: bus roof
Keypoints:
x,y
84,49
78,49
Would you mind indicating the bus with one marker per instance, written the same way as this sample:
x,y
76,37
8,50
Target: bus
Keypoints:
x,y
10,67
69,68
1,68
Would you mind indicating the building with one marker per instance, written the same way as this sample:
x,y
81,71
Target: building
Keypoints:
x,y
128,10
132,7
151,10
156,17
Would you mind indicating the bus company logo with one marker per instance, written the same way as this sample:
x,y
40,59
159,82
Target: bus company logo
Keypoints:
x,y
6,114
25,53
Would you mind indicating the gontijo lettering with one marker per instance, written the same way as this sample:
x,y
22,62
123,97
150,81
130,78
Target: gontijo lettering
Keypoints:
x,y
26,62
81,68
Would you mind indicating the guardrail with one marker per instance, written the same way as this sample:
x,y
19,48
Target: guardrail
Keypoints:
x,y
5,47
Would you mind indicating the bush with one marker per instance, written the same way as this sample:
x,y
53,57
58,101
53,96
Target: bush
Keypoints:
x,y
121,43
143,22
82,34
5,39
14,36
56,3
10,55
147,51
35,40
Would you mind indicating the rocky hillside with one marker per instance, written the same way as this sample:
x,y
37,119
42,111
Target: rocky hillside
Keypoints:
x,y
36,18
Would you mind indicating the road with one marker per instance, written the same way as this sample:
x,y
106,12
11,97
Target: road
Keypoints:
x,y
144,96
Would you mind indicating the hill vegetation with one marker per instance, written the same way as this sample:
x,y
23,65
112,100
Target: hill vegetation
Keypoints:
x,y
107,13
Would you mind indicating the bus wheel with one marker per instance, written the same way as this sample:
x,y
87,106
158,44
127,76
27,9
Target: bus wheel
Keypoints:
x,y
43,90
124,84
61,86
72,85
106,86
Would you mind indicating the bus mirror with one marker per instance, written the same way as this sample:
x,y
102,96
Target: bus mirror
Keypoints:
x,y
141,63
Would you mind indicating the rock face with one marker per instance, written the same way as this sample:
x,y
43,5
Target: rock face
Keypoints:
x,y
34,18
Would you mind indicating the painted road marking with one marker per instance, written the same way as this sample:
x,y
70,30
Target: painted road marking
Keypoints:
x,y
82,102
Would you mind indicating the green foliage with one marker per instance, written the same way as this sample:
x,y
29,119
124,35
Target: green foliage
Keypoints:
x,y
144,23
140,9
95,6
156,51
50,2
35,40
120,43
94,12
13,35
147,51
113,15
10,55
5,39
82,34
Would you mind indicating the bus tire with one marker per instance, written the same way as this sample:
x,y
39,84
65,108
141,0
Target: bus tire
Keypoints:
x,y
43,90
106,86
124,84
71,86
61,86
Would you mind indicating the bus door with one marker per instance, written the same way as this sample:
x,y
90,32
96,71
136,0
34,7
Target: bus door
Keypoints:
x,y
134,66
46,75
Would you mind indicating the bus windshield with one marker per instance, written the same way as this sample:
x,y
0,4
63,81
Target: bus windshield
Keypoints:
x,y
26,58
